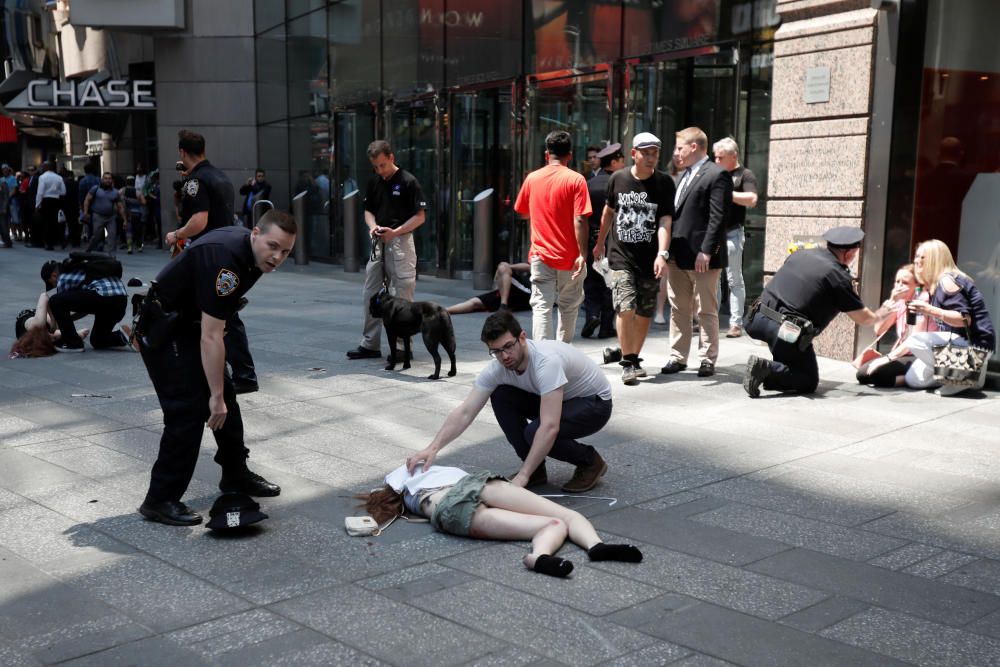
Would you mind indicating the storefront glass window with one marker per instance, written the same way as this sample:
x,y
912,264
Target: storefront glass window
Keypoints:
x,y
309,156
575,33
355,55
958,159
308,80
671,25
412,47
483,39
414,144
272,88
294,8
267,14
272,146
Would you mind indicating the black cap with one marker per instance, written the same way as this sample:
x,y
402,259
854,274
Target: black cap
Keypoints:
x,y
234,510
610,149
844,237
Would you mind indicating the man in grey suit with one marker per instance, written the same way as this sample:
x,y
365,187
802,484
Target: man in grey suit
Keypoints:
x,y
697,250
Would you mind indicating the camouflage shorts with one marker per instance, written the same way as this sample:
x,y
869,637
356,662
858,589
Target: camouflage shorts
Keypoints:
x,y
629,292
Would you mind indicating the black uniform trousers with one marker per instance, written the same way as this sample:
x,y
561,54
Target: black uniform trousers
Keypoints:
x,y
179,380
793,369
50,222
597,302
517,412
107,311
238,351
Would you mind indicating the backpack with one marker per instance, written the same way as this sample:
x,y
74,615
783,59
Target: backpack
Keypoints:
x,y
95,265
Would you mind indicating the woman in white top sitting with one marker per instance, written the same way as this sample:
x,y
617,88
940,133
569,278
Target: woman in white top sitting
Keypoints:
x,y
486,506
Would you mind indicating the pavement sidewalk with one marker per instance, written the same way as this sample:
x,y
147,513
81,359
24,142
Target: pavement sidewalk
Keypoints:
x,y
854,527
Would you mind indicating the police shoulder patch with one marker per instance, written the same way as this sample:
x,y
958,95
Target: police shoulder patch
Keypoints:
x,y
191,187
226,282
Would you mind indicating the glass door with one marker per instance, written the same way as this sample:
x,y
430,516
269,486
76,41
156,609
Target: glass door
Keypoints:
x,y
353,130
482,158
413,135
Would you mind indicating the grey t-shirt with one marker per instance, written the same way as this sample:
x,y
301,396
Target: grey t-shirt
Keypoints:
x,y
551,364
104,200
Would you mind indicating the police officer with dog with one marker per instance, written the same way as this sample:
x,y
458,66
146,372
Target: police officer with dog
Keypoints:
x,y
207,203
801,300
180,333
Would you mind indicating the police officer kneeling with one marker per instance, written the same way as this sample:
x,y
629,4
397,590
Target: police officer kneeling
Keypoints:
x,y
180,332
804,296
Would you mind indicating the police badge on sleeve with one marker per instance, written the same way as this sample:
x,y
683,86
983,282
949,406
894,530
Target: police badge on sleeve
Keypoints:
x,y
191,187
226,282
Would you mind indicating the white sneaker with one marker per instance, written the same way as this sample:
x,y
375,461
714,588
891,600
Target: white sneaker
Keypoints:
x,y
950,390
629,374
659,319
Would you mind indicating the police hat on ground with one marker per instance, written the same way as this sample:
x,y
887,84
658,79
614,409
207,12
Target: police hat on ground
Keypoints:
x,y
844,237
234,510
610,150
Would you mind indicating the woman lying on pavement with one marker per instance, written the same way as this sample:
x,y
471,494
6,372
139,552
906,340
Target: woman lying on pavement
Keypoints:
x,y
486,506
36,332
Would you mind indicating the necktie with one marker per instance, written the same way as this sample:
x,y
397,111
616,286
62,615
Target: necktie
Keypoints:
x,y
680,187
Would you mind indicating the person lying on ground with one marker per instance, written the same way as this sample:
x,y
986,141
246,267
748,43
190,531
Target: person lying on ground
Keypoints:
x,y
512,291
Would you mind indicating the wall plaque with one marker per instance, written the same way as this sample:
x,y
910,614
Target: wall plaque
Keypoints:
x,y
817,88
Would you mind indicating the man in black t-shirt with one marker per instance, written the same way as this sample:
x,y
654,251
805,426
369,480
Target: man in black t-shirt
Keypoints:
x,y
203,288
727,156
801,300
394,208
638,213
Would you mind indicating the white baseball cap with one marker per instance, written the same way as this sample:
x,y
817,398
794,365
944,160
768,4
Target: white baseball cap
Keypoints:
x,y
645,140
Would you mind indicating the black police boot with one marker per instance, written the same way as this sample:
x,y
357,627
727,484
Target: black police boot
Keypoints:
x,y
245,385
250,483
590,326
170,512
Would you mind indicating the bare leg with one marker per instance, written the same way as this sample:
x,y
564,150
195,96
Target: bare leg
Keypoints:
x,y
632,330
547,534
504,495
473,305
502,280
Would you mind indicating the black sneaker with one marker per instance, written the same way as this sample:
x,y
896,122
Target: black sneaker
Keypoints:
x,y
612,354
69,347
590,327
757,371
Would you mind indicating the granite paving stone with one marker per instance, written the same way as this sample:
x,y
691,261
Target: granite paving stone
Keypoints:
x,y
679,534
940,564
732,587
700,660
920,597
904,556
793,530
981,575
50,540
592,591
915,640
744,639
539,625
824,614
151,652
386,629
962,537
661,653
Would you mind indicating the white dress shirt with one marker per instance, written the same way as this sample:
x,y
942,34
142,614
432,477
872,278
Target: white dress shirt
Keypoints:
x,y
50,186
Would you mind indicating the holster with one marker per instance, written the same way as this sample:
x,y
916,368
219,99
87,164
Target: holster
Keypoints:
x,y
808,329
155,324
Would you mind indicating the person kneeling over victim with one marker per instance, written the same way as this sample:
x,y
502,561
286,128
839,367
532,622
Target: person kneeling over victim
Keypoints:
x,y
486,506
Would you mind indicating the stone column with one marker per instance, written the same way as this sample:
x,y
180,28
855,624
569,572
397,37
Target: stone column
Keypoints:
x,y
819,167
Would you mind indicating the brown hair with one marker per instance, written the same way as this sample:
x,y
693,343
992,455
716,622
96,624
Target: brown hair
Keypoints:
x,y
36,342
382,504
279,219
694,135
379,147
190,142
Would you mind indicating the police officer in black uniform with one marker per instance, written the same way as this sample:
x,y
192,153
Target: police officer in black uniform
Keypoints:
x,y
180,333
597,302
207,197
806,293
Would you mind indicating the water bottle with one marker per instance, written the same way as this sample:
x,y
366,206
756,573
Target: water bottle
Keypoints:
x,y
911,317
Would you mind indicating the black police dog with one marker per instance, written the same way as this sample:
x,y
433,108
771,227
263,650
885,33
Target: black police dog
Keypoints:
x,y
403,319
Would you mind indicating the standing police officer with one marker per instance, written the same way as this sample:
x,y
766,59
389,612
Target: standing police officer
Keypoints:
x,y
181,340
804,296
207,203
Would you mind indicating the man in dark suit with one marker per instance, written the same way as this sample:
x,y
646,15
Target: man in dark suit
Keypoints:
x,y
697,250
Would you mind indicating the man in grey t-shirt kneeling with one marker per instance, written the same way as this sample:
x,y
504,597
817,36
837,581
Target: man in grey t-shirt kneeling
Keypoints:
x,y
545,394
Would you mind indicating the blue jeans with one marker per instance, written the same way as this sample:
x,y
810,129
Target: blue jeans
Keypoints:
x,y
735,240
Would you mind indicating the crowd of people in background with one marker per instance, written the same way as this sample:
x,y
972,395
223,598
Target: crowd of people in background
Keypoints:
x,y
51,207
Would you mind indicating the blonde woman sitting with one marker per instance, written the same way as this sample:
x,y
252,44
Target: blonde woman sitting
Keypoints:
x,y
485,506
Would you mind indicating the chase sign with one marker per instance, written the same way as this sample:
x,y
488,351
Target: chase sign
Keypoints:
x,y
111,95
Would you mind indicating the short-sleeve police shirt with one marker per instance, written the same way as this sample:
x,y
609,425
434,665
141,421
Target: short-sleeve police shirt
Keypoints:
x,y
207,188
743,181
396,200
210,275
813,284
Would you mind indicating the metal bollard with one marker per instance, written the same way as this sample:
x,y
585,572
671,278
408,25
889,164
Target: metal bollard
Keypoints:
x,y
482,240
301,243
258,211
349,215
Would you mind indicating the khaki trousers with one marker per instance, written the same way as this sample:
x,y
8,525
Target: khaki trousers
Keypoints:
x,y
553,288
682,289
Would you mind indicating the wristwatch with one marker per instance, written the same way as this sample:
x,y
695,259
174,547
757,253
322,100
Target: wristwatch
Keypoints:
x,y
665,254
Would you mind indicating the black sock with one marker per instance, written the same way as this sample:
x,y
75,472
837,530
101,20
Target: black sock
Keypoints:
x,y
634,358
625,553
553,566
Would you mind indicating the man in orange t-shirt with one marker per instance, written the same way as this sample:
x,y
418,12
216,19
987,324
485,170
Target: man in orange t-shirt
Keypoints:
x,y
556,201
